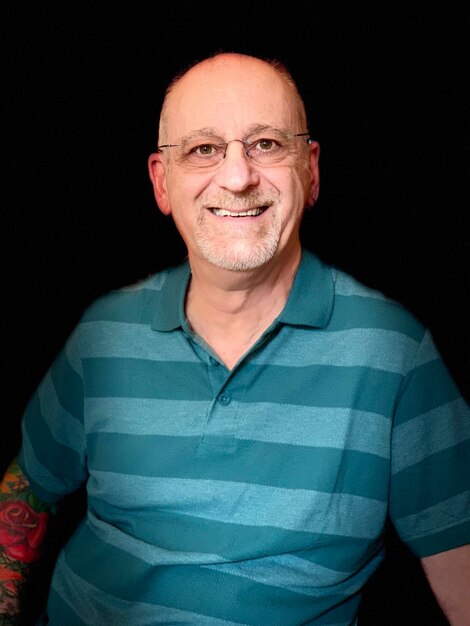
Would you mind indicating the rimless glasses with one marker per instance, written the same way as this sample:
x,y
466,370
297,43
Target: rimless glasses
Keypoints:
x,y
271,147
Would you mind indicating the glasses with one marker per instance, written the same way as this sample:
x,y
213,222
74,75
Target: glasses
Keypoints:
x,y
272,147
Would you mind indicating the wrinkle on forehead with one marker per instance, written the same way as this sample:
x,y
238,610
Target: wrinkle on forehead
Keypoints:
x,y
230,87
216,134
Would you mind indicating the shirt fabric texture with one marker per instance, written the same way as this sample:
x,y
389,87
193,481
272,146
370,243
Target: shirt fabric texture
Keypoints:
x,y
253,496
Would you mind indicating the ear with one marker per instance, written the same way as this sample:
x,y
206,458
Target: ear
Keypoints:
x,y
158,177
314,187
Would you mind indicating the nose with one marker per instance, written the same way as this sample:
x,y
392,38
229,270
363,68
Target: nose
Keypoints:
x,y
236,172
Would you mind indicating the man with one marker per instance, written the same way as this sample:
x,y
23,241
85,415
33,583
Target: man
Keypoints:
x,y
245,423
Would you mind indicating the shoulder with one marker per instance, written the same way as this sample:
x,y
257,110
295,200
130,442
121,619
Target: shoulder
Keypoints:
x,y
131,303
357,305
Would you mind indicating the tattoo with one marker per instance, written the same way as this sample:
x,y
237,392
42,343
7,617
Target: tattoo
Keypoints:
x,y
23,523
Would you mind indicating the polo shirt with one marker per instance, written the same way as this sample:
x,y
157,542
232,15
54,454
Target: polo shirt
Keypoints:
x,y
252,496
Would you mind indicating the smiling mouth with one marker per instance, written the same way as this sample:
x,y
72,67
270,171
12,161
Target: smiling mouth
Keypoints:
x,y
248,213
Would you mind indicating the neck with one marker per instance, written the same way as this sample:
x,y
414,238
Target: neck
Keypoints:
x,y
231,310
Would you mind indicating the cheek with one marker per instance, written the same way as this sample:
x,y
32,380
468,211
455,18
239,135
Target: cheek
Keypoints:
x,y
292,182
296,190
185,190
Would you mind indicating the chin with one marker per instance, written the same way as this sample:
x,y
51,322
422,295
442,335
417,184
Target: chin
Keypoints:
x,y
241,257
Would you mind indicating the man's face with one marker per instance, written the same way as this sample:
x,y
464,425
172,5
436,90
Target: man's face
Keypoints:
x,y
236,214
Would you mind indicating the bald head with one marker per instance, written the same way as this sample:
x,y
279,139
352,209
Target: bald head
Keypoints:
x,y
207,79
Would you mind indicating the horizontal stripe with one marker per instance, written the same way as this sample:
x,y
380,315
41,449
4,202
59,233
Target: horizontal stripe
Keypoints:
x,y
366,389
359,312
45,485
263,421
66,429
68,385
134,341
324,386
298,575
436,478
152,554
376,348
195,589
61,460
255,505
432,432
147,416
426,388
189,535
325,427
284,466
445,514
136,378
98,607
386,350
346,285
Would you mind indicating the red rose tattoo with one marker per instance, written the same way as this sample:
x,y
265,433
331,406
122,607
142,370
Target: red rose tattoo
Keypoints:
x,y
21,530
9,580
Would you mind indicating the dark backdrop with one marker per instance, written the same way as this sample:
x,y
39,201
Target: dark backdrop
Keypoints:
x,y
384,89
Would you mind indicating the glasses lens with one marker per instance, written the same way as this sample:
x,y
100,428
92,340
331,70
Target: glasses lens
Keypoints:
x,y
201,154
272,148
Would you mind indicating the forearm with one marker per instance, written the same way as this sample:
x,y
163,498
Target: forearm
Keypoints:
x,y
23,523
449,576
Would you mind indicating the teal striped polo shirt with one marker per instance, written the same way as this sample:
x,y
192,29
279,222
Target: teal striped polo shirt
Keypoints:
x,y
253,496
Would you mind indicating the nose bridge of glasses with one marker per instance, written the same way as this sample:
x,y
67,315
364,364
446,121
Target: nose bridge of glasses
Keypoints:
x,y
245,145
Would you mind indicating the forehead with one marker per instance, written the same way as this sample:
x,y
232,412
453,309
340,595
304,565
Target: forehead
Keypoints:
x,y
230,95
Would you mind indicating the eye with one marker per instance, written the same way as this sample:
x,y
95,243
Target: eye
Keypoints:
x,y
266,145
205,150
268,150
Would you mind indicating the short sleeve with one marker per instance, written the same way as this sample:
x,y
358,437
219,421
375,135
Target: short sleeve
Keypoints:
x,y
53,448
430,458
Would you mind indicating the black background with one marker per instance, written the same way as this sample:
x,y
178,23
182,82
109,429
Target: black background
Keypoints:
x,y
81,90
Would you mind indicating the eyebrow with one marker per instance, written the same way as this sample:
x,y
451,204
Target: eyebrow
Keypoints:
x,y
213,133
200,132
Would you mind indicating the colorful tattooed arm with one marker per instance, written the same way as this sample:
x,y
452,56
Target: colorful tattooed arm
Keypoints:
x,y
23,523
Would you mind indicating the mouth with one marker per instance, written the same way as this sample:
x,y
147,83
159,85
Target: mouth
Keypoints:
x,y
248,213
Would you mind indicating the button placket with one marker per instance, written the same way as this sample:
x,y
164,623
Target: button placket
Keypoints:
x,y
221,424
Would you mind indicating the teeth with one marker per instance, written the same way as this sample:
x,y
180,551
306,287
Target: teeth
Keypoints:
x,y
225,213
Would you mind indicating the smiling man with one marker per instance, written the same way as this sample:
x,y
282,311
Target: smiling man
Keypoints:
x,y
226,117
247,423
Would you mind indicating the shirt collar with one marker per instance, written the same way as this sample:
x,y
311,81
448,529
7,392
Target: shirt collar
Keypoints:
x,y
310,301
169,304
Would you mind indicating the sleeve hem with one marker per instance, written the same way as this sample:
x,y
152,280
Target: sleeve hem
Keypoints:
x,y
458,535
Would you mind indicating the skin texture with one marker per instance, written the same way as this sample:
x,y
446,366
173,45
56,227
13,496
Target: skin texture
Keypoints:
x,y
449,576
23,523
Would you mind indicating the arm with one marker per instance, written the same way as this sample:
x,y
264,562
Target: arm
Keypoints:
x,y
23,523
449,576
